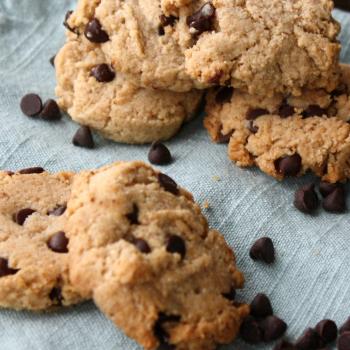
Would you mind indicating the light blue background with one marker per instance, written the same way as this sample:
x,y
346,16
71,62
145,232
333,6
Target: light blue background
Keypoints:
x,y
309,281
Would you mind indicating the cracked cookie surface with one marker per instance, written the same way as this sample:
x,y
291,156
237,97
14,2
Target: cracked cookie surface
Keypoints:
x,y
249,44
96,96
33,255
310,132
141,248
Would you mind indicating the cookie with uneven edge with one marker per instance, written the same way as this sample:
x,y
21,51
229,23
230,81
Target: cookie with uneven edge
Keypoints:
x,y
285,136
140,247
33,256
118,109
249,44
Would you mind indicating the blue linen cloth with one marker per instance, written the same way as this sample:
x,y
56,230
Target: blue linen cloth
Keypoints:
x,y
311,278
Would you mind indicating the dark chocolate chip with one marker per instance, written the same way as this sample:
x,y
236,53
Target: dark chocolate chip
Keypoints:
x,y
56,295
342,88
142,245
167,20
224,94
33,170
273,328
133,217
286,110
83,138
289,165
58,242
335,202
327,330
345,327
50,111
314,111
160,333
252,114
5,270
263,249
343,342
284,345
159,154
252,128
65,23
94,32
202,20
58,211
161,31
327,188
31,105
306,199
168,183
52,61
176,244
250,331
309,340
21,216
231,295
224,138
261,306
103,73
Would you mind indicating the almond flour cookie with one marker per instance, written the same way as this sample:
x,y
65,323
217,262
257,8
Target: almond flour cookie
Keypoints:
x,y
33,245
285,136
249,44
141,248
94,95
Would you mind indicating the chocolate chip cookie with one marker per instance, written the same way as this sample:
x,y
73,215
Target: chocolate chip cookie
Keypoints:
x,y
249,44
95,95
141,248
285,135
33,244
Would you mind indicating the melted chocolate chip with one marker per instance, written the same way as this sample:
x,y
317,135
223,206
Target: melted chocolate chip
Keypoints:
x,y
161,31
263,249
56,295
327,188
142,245
273,328
306,199
33,170
252,114
5,270
335,202
250,331
160,333
285,110
94,32
252,128
167,20
231,295
159,154
261,306
327,330
176,244
50,111
21,216
58,211
168,184
314,111
224,138
133,217
309,340
58,242
103,73
289,165
65,23
31,105
202,20
224,94
83,138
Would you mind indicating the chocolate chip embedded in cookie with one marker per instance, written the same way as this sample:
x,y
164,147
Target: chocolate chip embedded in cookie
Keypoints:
x,y
33,248
285,135
141,248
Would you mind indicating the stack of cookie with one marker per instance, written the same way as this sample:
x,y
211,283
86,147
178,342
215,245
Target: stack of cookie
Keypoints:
x,y
128,237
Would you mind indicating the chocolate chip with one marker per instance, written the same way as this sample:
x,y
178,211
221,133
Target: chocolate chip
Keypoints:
x,y
286,110
252,128
327,330
159,154
284,345
56,295
289,165
343,342
335,202
168,184
202,20
327,188
31,105
224,138
261,306
263,249
341,89
273,328
21,216
224,94
33,170
83,138
103,73
252,114
133,217
306,199
5,270
345,327
52,61
58,242
58,211
250,331
94,32
142,245
231,295
167,20
309,340
65,23
50,111
161,31
314,111
176,244
160,333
